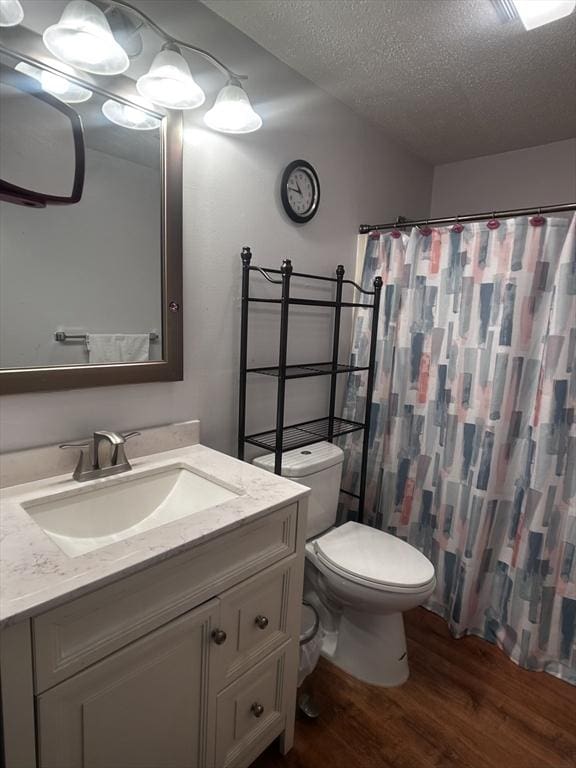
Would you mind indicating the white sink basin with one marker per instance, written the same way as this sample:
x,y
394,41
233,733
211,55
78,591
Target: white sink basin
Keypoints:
x,y
89,518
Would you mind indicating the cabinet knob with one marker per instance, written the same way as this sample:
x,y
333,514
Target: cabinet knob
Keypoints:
x,y
261,621
257,709
219,636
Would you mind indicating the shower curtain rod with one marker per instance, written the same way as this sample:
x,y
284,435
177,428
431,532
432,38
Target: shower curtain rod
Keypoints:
x,y
402,223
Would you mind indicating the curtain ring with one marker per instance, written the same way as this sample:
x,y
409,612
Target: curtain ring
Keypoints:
x,y
537,220
395,233
493,223
426,230
457,227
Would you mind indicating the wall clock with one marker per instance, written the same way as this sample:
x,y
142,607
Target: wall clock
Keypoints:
x,y
300,191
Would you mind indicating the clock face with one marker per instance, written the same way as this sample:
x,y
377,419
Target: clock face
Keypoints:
x,y
300,188
300,191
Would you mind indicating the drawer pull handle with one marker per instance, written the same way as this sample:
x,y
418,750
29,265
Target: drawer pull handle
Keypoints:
x,y
219,636
261,622
257,709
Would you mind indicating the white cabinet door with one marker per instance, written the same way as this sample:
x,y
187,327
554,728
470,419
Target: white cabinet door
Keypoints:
x,y
145,706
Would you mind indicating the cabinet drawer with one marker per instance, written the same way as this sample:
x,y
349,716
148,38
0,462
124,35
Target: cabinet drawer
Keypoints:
x,y
72,636
258,616
251,712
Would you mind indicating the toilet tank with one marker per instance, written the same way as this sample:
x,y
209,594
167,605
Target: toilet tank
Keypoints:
x,y
319,467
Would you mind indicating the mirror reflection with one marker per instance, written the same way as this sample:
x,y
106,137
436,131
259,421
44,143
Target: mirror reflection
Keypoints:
x,y
82,283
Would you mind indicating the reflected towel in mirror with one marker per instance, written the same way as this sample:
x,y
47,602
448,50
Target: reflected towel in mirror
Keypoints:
x,y
118,347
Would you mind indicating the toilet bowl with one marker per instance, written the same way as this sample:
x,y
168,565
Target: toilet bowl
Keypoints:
x,y
371,578
358,578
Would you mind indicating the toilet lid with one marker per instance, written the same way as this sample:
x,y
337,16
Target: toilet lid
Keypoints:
x,y
374,556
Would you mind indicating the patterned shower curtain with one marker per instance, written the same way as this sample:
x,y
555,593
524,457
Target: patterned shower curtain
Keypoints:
x,y
473,440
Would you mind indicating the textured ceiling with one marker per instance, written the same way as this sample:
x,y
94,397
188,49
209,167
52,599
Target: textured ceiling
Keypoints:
x,y
446,78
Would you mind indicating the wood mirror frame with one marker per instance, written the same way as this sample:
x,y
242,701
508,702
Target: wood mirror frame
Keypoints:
x,y
27,47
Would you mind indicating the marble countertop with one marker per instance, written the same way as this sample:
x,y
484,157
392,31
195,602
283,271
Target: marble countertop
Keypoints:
x,y
35,574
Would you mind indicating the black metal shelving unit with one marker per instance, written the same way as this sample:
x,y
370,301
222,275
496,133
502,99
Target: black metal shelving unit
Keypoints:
x,y
288,437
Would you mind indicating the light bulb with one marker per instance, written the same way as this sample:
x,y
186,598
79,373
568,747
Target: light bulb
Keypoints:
x,y
169,82
232,111
11,13
57,85
535,13
84,39
129,117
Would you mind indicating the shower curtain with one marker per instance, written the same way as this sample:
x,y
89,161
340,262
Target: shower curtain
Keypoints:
x,y
473,440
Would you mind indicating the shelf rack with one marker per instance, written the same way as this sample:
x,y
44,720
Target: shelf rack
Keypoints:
x,y
289,437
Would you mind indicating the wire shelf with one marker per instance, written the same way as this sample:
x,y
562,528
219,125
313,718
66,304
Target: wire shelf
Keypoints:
x,y
306,433
309,369
284,438
312,302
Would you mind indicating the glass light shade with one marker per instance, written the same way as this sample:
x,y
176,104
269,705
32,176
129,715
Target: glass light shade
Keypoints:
x,y
57,85
169,82
535,13
83,38
11,13
129,117
232,112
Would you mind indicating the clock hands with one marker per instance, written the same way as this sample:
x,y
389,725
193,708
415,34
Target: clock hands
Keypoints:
x,y
291,189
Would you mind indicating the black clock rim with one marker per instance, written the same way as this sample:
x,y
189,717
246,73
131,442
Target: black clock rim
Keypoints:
x,y
298,218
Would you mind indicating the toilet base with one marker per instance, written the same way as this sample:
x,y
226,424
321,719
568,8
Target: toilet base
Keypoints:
x,y
371,647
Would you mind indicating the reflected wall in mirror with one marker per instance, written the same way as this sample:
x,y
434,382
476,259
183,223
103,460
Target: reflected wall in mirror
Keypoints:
x,y
88,286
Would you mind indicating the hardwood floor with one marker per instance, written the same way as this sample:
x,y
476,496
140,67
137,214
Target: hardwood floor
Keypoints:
x,y
465,704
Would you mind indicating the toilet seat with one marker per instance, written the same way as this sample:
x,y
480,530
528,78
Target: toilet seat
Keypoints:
x,y
374,559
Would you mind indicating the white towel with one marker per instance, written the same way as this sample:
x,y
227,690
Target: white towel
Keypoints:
x,y
118,347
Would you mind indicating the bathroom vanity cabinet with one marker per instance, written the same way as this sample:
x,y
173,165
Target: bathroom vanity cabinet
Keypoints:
x,y
189,663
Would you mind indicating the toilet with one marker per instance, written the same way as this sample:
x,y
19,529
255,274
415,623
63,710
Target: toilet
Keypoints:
x,y
360,579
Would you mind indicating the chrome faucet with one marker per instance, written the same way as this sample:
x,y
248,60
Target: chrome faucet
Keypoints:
x,y
89,465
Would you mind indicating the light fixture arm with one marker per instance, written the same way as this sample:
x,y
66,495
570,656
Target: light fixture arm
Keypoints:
x,y
228,73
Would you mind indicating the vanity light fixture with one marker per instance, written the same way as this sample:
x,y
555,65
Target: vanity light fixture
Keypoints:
x,y
11,13
129,117
57,85
534,13
87,37
232,111
169,81
84,39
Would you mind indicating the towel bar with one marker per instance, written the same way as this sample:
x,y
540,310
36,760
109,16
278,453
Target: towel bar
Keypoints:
x,y
63,336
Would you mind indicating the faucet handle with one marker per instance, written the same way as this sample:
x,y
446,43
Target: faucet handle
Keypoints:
x,y
84,464
119,454
128,435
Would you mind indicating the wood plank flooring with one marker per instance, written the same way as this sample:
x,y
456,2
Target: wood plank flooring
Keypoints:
x,y
466,705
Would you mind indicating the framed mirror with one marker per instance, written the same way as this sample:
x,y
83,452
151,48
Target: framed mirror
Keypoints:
x,y
90,292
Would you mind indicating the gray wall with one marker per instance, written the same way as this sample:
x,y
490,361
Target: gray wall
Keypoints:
x,y
231,199
543,175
